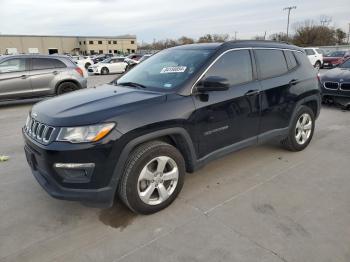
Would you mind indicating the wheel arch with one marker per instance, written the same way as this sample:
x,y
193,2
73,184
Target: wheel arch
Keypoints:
x,y
176,136
312,101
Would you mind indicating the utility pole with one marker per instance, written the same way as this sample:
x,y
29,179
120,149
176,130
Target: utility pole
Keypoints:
x,y
349,35
236,35
289,8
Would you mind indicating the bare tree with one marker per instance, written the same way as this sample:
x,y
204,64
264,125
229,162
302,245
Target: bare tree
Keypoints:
x,y
184,40
308,34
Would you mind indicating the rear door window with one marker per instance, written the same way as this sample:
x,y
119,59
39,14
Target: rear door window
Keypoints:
x,y
235,66
42,63
58,64
271,63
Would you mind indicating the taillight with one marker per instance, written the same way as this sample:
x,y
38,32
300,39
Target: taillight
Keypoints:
x,y
80,72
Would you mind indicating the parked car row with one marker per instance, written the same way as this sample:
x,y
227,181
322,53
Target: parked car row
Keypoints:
x,y
319,59
117,64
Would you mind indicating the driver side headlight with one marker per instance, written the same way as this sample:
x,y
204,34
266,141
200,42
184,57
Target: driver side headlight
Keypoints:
x,y
85,134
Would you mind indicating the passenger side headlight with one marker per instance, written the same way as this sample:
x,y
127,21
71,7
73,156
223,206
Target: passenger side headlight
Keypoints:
x,y
84,134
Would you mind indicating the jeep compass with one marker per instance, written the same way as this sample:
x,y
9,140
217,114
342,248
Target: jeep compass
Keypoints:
x,y
136,137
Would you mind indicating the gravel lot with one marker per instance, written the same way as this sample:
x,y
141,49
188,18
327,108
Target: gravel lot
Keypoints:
x,y
259,204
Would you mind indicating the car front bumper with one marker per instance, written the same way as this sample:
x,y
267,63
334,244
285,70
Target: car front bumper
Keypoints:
x,y
92,186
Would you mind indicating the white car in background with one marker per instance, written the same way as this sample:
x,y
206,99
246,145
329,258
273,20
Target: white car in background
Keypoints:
x,y
83,61
114,64
315,56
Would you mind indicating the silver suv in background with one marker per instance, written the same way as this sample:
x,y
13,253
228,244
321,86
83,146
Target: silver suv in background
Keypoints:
x,y
28,76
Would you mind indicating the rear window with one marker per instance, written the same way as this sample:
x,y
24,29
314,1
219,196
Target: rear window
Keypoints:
x,y
309,51
271,63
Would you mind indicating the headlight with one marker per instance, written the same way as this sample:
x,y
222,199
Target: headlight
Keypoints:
x,y
84,134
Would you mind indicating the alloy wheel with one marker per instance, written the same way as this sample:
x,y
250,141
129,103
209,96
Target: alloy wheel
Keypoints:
x,y
158,180
303,129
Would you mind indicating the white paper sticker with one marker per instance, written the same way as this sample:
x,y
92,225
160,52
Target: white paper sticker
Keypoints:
x,y
173,69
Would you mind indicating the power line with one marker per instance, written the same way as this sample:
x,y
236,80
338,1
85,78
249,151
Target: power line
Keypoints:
x,y
289,8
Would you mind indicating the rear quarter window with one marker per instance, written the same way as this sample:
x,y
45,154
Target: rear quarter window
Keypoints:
x,y
271,63
291,61
303,60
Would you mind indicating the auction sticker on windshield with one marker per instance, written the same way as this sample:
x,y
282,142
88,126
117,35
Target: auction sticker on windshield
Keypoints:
x,y
173,69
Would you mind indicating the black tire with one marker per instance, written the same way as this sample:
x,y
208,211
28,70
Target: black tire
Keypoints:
x,y
66,87
318,65
87,65
138,159
104,71
290,142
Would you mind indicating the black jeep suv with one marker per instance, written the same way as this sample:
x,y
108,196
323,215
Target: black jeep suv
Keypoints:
x,y
137,136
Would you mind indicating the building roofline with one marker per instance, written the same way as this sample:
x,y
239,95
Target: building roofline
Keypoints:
x,y
127,36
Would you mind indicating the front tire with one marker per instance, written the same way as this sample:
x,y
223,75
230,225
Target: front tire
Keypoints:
x,y
152,178
301,130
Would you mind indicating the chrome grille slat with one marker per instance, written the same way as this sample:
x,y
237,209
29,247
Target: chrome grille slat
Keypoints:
x,y
39,131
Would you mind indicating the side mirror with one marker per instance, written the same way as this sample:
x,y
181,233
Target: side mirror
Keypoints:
x,y
212,83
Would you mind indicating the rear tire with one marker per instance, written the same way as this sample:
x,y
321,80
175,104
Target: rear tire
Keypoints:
x,y
104,71
66,87
318,65
301,130
152,178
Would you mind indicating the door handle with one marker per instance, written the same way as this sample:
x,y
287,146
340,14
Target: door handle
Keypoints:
x,y
24,76
55,72
293,82
252,92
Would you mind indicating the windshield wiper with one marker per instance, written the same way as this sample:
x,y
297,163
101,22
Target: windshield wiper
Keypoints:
x,y
133,84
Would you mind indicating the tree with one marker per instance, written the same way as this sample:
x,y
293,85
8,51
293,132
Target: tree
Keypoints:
x,y
205,39
340,36
309,34
220,37
185,40
280,37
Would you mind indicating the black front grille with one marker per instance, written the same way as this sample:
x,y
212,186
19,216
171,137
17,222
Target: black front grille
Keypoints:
x,y
345,86
331,85
39,131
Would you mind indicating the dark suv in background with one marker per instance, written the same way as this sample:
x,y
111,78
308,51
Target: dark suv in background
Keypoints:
x,y
27,76
174,112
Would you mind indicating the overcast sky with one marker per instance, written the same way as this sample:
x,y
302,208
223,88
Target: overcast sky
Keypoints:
x,y
160,19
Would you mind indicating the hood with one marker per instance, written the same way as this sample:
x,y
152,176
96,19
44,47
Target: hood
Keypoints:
x,y
93,105
336,74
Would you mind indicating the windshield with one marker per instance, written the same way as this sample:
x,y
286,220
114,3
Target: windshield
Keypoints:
x,y
346,64
336,54
167,69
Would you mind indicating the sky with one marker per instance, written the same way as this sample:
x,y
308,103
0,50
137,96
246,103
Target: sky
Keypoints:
x,y
161,19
